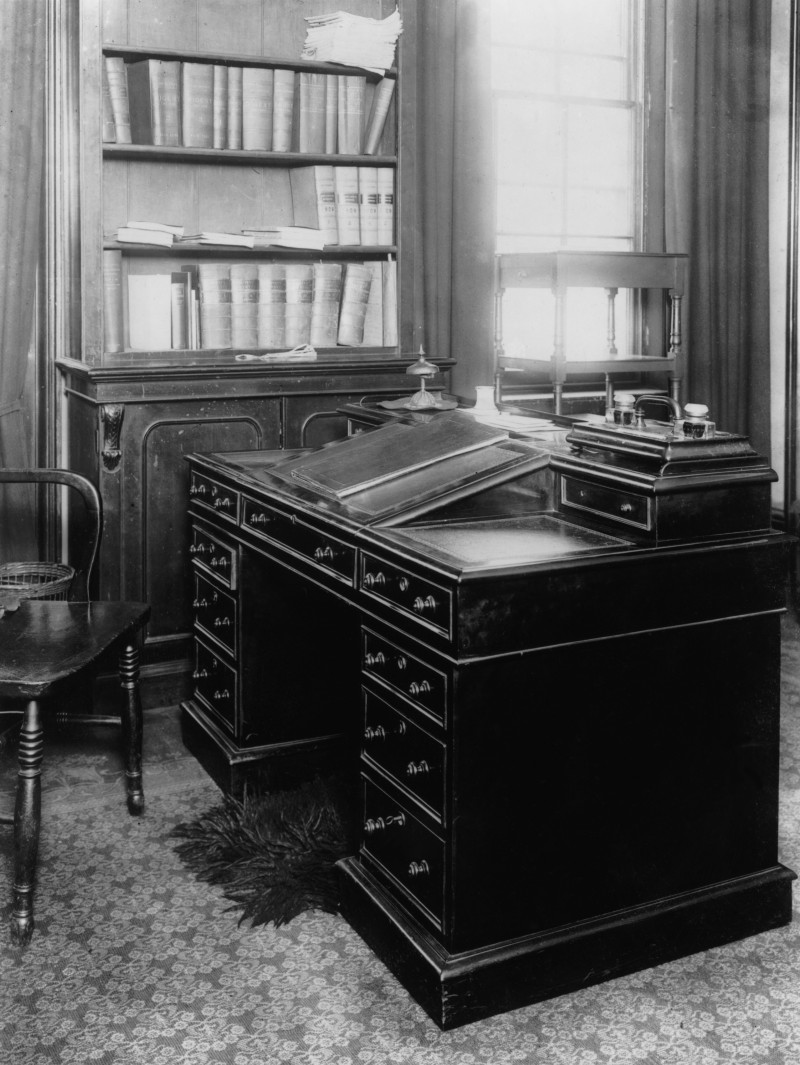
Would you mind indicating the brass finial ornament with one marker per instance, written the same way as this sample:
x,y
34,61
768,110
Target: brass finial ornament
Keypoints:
x,y
422,399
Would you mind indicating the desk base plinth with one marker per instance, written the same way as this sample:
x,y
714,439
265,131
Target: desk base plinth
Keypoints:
x,y
455,989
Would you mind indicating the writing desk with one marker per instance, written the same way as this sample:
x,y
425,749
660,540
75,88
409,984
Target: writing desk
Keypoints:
x,y
565,709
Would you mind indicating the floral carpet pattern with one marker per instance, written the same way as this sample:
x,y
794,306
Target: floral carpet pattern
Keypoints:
x,y
135,961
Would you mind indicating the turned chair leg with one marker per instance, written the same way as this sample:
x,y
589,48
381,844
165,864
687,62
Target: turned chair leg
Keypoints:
x,y
132,726
27,820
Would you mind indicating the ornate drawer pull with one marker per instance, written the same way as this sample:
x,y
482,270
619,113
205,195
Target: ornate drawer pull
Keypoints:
x,y
419,688
223,502
377,659
324,554
381,824
378,732
374,580
197,549
258,519
416,769
419,868
224,694
221,622
423,606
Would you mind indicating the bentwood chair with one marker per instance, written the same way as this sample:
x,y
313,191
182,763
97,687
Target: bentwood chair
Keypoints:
x,y
47,647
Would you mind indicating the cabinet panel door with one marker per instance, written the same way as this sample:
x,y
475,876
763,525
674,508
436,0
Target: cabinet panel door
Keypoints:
x,y
164,526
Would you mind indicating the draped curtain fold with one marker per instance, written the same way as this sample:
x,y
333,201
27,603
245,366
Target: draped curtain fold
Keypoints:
x,y
456,194
716,156
22,60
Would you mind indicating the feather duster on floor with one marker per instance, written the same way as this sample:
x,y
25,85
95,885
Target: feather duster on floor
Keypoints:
x,y
274,853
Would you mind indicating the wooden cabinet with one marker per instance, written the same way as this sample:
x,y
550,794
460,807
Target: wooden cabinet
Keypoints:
x,y
128,418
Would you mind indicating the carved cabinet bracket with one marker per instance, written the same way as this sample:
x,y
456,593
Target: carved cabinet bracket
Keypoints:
x,y
111,416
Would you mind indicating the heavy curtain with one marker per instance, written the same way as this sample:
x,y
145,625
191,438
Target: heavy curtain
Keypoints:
x,y
456,187
716,154
22,59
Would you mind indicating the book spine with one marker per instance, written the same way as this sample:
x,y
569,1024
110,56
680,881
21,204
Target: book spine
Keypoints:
x,y
331,113
112,301
347,204
141,102
197,92
299,296
118,91
244,305
109,129
180,310
219,96
283,111
150,312
314,200
271,305
234,107
258,86
350,131
373,315
215,305
385,206
384,91
355,295
368,203
325,304
311,137
389,277
167,113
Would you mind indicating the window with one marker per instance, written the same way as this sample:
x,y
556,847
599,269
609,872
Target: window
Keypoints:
x,y
567,85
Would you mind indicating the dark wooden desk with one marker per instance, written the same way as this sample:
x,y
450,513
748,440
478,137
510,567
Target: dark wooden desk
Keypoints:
x,y
568,732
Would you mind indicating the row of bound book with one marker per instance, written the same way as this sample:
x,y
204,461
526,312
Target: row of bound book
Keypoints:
x,y
331,205
171,103
252,305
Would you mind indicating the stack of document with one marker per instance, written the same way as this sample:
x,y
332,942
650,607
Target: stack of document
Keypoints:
x,y
353,40
287,237
159,233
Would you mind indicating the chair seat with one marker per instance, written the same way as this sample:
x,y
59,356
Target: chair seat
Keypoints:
x,y
43,643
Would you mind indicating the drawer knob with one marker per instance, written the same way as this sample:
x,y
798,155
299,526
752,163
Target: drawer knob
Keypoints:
x,y
626,508
199,674
224,694
416,769
377,659
197,549
378,732
221,561
419,868
424,606
374,580
258,519
401,662
419,688
197,490
197,603
223,502
381,824
324,554
404,584
220,623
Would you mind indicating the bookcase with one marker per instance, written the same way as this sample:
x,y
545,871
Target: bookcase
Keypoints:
x,y
130,416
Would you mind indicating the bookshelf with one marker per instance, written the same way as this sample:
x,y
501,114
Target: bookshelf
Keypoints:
x,y
130,416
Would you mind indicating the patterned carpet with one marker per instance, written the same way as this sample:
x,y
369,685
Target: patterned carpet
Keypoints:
x,y
134,961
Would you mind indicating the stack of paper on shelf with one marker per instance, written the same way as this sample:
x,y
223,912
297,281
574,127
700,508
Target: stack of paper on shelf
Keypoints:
x,y
353,40
287,237
159,233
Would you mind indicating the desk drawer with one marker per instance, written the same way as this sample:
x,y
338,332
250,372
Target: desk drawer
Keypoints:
x,y
414,596
215,683
313,545
214,555
405,850
215,612
404,673
405,752
217,497
611,503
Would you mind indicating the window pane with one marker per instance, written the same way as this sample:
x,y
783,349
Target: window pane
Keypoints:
x,y
599,146
594,76
529,141
529,209
598,26
529,323
522,69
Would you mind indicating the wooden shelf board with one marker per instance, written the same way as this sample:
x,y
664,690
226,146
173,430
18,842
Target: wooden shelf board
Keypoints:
x,y
332,251
159,153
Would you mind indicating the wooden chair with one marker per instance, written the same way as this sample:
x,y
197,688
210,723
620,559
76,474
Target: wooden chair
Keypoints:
x,y
45,646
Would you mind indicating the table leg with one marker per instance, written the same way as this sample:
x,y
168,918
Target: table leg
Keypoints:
x,y
27,821
132,726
